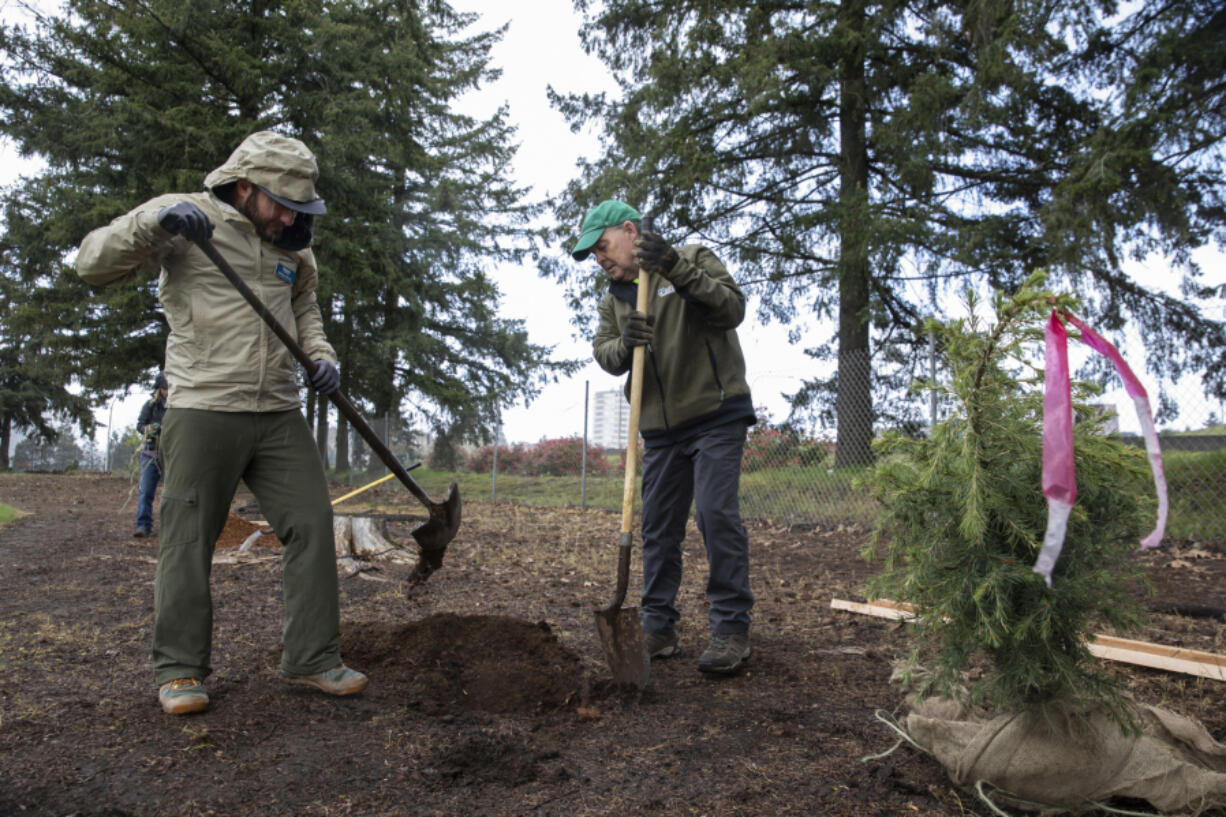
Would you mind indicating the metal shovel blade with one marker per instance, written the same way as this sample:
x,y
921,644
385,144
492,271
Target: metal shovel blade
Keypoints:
x,y
621,631
621,635
436,533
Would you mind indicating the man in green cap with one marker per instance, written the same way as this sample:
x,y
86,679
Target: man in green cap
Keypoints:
x,y
695,415
234,410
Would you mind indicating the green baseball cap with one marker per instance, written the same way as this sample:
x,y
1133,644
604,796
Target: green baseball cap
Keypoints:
x,y
602,216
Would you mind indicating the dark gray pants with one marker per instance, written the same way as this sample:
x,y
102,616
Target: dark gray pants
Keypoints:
x,y
705,470
205,454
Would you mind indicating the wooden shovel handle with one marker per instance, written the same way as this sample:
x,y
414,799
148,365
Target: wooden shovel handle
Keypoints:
x,y
637,364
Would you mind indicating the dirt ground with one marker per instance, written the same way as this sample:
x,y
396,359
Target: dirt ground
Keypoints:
x,y
489,693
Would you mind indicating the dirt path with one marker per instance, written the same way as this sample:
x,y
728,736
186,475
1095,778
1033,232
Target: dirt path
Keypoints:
x,y
488,694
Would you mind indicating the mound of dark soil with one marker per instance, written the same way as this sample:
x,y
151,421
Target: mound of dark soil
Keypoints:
x,y
453,663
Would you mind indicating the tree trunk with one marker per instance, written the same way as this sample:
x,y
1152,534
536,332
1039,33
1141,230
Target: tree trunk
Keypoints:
x,y
6,437
344,339
342,444
854,401
321,427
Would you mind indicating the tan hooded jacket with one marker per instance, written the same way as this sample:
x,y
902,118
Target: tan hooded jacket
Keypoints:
x,y
220,355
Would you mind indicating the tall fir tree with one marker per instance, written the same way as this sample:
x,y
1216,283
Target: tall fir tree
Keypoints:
x,y
126,101
839,153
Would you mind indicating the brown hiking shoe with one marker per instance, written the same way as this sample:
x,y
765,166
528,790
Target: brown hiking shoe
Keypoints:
x,y
182,696
727,654
340,680
662,645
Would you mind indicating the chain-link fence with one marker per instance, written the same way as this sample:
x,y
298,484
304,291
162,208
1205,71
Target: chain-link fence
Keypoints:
x,y
797,477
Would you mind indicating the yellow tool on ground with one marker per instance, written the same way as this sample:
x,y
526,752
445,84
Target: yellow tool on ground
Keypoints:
x,y
368,486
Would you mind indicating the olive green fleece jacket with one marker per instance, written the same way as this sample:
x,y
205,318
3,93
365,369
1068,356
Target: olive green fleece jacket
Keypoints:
x,y
220,355
695,370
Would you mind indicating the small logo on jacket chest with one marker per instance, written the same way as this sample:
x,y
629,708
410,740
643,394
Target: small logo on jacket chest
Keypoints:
x,y
285,273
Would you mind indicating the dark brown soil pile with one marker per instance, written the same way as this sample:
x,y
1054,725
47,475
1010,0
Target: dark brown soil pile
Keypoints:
x,y
238,529
449,663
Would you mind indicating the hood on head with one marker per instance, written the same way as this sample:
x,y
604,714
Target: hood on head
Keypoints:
x,y
279,165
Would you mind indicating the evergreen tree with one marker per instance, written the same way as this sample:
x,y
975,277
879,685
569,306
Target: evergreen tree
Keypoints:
x,y
838,151
33,392
964,518
126,101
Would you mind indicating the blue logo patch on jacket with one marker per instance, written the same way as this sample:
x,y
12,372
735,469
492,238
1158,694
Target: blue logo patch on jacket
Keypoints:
x,y
285,273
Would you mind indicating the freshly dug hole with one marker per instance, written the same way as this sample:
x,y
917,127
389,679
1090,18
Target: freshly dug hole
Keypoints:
x,y
453,664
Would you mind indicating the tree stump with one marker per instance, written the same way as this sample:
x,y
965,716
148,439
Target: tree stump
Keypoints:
x,y
362,540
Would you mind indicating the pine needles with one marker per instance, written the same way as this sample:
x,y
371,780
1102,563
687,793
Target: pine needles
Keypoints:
x,y
964,518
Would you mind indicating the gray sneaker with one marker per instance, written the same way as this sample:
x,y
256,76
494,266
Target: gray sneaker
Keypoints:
x,y
727,653
662,645
182,696
340,680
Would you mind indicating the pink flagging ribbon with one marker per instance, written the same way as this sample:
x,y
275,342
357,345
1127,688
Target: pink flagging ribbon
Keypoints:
x,y
1059,478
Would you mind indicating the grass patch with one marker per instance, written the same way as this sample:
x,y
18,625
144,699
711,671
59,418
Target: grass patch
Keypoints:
x,y
817,495
8,513
1196,482
799,494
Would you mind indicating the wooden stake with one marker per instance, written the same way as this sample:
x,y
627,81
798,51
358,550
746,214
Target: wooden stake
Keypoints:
x,y
1124,650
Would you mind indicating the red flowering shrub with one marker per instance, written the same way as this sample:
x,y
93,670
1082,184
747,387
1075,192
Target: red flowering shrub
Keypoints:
x,y
771,447
565,456
547,458
621,463
511,459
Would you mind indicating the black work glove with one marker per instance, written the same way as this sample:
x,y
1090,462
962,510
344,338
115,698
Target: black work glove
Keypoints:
x,y
187,220
637,331
326,378
654,254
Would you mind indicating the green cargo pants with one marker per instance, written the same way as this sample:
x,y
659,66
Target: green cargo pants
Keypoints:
x,y
205,453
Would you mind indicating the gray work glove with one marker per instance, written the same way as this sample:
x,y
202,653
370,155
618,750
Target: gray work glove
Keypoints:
x,y
187,220
637,331
655,255
326,378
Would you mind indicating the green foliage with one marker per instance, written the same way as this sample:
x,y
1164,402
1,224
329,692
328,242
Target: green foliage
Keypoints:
x,y
964,517
7,514
126,101
62,452
856,161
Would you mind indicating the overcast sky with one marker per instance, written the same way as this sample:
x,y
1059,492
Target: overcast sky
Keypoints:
x,y
541,48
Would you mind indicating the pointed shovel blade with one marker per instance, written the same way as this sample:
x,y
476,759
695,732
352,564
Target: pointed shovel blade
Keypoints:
x,y
621,635
436,533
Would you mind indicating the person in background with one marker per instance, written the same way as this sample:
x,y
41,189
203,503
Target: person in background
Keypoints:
x,y
235,411
695,415
149,426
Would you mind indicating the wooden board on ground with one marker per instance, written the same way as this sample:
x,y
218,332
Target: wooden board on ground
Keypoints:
x,y
1124,650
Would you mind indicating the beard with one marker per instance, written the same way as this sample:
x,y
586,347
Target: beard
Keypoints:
x,y
268,228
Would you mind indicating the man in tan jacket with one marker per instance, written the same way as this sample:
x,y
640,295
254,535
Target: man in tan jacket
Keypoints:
x,y
234,410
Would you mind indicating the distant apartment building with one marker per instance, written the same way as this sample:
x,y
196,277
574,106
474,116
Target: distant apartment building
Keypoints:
x,y
610,419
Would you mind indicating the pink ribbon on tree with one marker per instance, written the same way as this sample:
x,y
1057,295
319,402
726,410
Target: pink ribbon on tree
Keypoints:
x,y
1059,473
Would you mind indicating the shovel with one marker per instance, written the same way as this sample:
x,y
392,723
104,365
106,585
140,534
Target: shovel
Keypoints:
x,y
435,533
620,628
